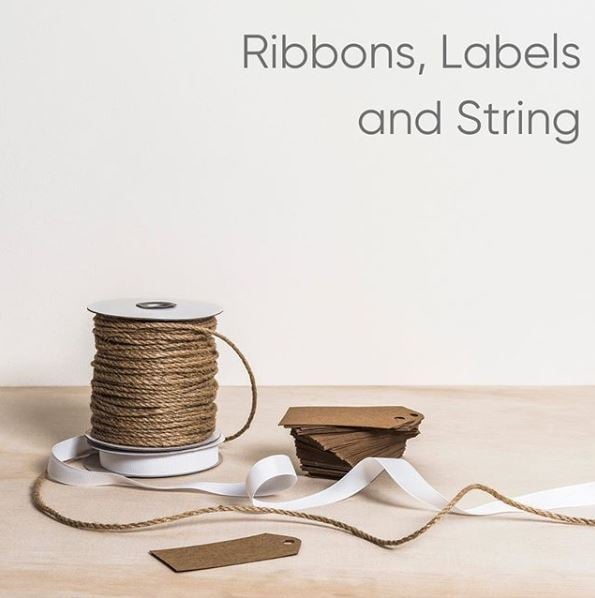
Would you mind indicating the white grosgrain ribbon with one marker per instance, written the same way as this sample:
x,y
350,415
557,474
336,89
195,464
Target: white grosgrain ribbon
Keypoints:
x,y
275,474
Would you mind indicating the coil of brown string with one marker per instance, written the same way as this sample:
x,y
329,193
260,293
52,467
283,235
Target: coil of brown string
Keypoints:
x,y
154,381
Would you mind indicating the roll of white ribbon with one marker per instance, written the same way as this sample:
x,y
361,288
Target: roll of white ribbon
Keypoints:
x,y
154,463
275,474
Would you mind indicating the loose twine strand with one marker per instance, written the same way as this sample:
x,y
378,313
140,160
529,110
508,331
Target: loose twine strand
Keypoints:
x,y
153,385
40,504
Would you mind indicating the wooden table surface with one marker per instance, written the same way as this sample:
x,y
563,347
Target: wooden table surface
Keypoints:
x,y
518,440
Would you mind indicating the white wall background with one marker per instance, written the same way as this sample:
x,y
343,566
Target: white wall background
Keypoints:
x,y
137,157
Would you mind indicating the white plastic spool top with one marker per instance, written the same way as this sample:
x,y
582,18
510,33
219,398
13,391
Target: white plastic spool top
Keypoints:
x,y
155,309
151,462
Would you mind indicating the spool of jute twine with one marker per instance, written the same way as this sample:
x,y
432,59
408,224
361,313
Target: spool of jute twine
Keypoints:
x,y
154,382
154,386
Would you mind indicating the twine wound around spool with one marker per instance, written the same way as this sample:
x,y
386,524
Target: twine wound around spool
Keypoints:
x,y
154,380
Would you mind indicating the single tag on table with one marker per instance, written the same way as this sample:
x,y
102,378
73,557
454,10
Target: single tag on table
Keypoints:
x,y
261,547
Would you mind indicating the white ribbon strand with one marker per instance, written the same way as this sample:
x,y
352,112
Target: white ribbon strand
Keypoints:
x,y
275,474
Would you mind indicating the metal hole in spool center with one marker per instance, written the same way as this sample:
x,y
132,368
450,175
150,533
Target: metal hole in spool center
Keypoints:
x,y
155,304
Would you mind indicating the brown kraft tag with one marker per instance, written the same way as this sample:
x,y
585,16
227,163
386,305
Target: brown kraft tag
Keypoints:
x,y
261,547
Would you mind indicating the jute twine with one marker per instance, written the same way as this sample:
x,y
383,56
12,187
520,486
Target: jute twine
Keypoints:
x,y
154,382
40,504
154,386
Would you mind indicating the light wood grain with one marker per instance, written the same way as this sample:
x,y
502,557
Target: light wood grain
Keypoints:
x,y
515,439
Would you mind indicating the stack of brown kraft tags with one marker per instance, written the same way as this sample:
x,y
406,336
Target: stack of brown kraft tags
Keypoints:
x,y
329,441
